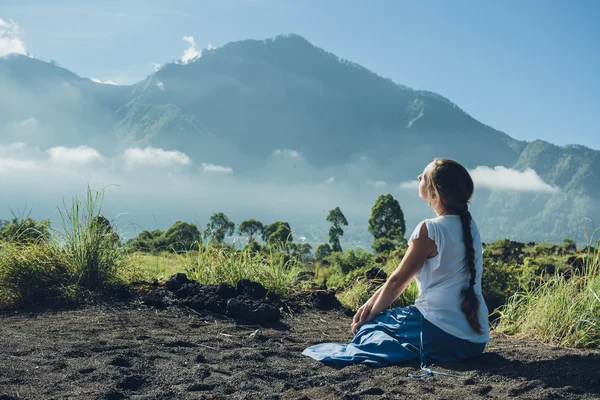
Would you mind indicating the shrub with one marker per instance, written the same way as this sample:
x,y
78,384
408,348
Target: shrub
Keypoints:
x,y
323,251
351,259
383,244
212,265
30,274
562,311
182,236
25,230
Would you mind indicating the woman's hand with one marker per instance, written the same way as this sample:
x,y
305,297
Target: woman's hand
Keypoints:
x,y
362,315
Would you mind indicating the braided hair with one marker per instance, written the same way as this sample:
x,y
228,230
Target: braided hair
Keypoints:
x,y
452,185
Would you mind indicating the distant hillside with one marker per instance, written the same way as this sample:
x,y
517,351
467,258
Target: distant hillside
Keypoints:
x,y
237,104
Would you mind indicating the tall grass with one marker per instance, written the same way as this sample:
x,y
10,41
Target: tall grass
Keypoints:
x,y
212,265
84,257
31,273
87,244
362,289
563,311
147,267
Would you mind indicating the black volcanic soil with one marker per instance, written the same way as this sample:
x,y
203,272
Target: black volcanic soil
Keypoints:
x,y
141,351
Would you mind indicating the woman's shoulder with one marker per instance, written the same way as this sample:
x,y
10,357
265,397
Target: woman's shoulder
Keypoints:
x,y
429,227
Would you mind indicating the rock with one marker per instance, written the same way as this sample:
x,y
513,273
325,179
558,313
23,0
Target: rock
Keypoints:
x,y
176,282
251,289
266,313
325,300
226,291
188,290
215,304
238,308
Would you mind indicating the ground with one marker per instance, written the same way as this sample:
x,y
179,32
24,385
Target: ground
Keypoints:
x,y
130,350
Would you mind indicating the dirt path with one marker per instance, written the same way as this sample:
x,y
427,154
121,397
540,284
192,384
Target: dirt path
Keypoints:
x,y
122,352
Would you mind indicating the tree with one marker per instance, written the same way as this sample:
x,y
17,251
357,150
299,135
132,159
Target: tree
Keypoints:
x,y
148,241
218,227
25,230
278,234
251,228
570,244
384,244
302,250
337,218
102,226
387,219
322,251
182,236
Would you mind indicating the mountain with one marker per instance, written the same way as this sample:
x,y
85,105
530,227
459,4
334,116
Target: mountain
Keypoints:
x,y
291,94
237,104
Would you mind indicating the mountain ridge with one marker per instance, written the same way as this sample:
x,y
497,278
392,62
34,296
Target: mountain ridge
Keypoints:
x,y
239,103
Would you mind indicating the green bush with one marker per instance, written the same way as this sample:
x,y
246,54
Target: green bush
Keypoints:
x,y
323,251
31,274
25,230
148,242
383,244
564,310
212,265
351,260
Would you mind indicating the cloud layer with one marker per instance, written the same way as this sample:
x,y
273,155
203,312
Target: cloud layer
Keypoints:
x,y
219,169
10,40
501,178
154,156
74,155
191,53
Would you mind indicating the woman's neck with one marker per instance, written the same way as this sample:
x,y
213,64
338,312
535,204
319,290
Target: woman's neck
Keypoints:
x,y
440,210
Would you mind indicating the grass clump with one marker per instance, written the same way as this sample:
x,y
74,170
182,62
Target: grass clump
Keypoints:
x,y
88,243
563,310
31,274
68,265
212,265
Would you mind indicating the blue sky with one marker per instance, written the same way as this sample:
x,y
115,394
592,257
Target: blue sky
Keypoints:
x,y
529,68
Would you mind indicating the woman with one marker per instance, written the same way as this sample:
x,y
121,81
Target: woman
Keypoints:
x,y
449,321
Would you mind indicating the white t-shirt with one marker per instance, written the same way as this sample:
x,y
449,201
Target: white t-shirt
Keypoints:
x,y
442,278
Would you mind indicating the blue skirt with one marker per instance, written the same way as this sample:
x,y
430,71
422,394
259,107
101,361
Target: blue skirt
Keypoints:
x,y
394,336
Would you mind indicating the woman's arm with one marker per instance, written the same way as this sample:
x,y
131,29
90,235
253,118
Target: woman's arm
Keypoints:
x,y
418,251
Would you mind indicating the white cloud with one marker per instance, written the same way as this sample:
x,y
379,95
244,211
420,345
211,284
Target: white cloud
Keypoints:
x,y
29,123
216,169
156,66
10,41
408,185
286,152
502,178
377,184
154,156
210,47
74,155
191,53
12,148
330,180
11,164
160,85
108,82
